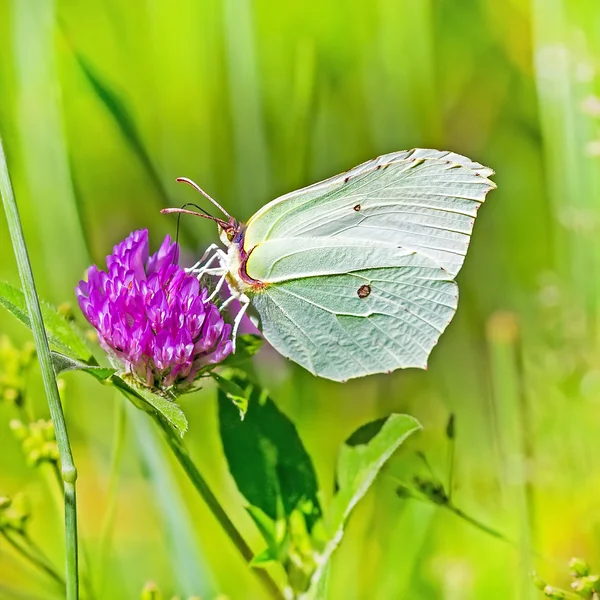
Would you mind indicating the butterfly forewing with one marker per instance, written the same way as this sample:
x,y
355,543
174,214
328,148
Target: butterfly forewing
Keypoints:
x,y
421,200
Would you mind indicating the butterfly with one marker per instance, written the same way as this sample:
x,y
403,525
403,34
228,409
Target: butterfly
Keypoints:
x,y
355,275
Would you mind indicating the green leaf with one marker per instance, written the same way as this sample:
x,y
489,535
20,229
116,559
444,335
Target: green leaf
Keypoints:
x,y
361,457
273,532
150,402
60,332
266,457
247,346
63,363
263,558
234,392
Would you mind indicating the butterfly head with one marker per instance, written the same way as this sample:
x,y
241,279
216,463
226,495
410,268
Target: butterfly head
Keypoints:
x,y
230,232
229,229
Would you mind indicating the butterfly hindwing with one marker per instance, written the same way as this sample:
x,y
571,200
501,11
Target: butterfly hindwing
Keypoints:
x,y
360,320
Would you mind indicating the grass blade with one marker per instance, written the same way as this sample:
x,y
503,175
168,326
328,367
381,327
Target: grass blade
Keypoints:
x,y
69,472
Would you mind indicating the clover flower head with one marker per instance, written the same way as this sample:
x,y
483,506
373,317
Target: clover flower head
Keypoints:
x,y
153,317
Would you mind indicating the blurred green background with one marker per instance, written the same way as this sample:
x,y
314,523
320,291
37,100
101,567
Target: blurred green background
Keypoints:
x,y
104,103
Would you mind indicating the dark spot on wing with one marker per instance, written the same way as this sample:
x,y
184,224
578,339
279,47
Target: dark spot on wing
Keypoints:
x,y
347,179
357,207
364,291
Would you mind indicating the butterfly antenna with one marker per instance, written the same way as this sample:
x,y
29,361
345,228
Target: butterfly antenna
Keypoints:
x,y
199,189
179,217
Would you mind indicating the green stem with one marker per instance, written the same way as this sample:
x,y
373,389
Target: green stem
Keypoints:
x,y
39,560
68,470
182,455
481,526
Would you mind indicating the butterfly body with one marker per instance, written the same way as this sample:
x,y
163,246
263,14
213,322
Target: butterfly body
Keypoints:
x,y
355,275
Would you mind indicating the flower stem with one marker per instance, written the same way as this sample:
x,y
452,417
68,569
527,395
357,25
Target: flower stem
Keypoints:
x,y
68,470
185,460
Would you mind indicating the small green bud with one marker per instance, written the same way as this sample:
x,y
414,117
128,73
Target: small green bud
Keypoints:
x,y
586,586
432,489
66,310
579,568
48,431
151,592
539,583
38,441
554,593
13,371
16,514
19,430
34,458
403,491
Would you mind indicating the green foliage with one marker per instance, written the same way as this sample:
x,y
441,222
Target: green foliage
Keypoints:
x,y
38,441
14,513
274,473
14,367
266,457
61,333
362,456
63,363
256,99
584,583
233,392
360,459
149,401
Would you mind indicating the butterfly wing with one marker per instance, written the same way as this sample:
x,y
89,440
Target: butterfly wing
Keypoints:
x,y
424,200
358,270
344,308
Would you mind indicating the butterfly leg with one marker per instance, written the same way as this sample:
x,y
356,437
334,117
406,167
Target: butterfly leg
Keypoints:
x,y
223,273
210,251
206,265
244,303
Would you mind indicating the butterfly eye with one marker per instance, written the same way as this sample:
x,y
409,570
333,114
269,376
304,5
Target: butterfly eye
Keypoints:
x,y
230,234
